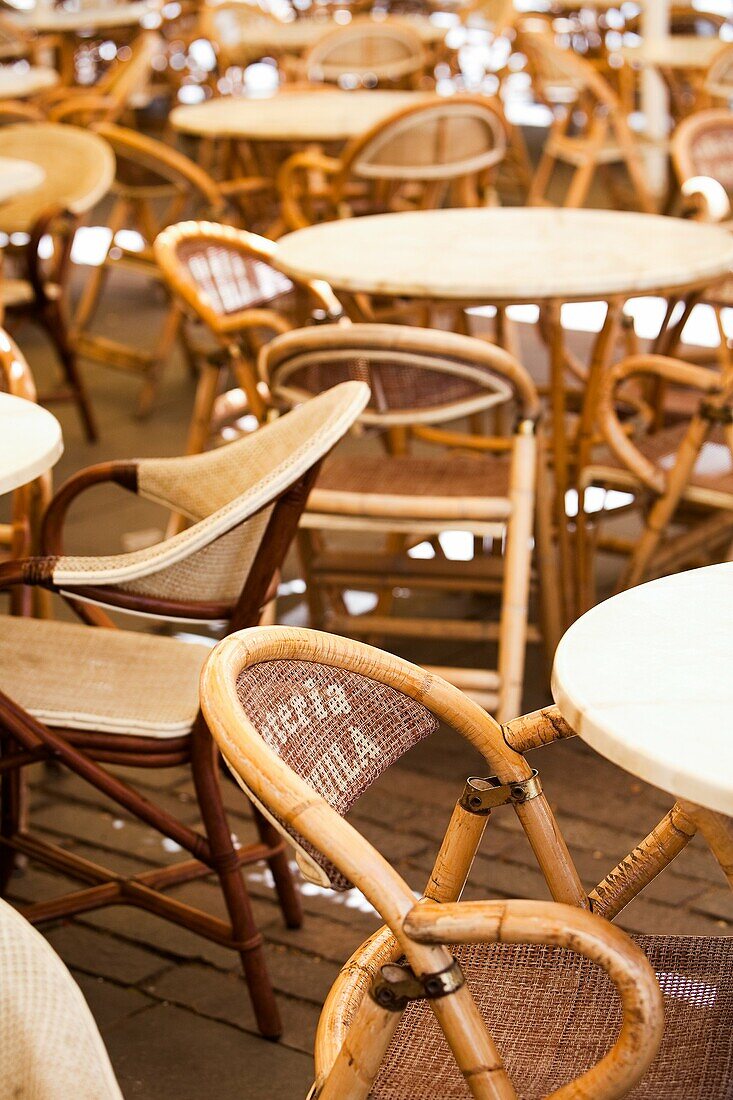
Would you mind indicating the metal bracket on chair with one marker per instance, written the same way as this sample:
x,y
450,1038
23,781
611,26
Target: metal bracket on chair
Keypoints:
x,y
481,796
398,984
716,414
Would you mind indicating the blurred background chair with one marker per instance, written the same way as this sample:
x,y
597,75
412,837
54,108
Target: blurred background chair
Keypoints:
x,y
366,54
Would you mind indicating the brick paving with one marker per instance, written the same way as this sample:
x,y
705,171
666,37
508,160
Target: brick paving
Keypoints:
x,y
172,1008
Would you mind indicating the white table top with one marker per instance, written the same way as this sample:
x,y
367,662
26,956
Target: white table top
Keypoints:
x,y
255,35
21,80
320,115
18,176
508,255
30,442
645,678
62,20
678,51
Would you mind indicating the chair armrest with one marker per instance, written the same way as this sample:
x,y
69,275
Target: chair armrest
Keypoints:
x,y
99,107
706,198
123,474
298,165
521,922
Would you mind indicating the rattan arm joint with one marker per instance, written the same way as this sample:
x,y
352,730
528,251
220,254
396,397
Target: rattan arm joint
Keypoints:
x,y
481,796
397,985
716,414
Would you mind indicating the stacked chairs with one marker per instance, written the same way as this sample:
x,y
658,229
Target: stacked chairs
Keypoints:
x,y
111,696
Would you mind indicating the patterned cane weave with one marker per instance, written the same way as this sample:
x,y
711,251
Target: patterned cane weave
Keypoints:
x,y
417,475
336,729
230,280
553,1014
49,1044
711,152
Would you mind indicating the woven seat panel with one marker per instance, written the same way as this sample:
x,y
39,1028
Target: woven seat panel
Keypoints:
x,y
49,1042
336,729
452,475
714,467
231,280
115,681
554,1014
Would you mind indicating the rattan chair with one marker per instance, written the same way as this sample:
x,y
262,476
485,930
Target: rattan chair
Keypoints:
x,y
79,169
225,278
680,475
49,1043
88,697
154,187
422,379
718,82
307,722
366,54
590,130
435,153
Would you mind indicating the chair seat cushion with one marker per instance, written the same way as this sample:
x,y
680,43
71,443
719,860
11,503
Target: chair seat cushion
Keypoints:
x,y
553,1014
89,678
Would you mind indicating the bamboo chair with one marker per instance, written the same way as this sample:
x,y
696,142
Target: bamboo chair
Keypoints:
x,y
438,152
422,379
681,476
154,187
494,999
79,169
366,54
49,1043
15,43
718,81
109,696
225,278
589,132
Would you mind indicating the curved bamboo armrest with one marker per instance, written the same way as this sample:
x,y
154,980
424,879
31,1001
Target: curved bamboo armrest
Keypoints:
x,y
100,107
707,198
299,164
123,474
538,922
655,366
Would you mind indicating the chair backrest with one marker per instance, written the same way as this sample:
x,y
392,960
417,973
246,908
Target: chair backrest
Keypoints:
x,y
556,70
15,374
227,277
719,77
49,1042
702,146
415,376
129,76
79,169
244,499
365,53
14,41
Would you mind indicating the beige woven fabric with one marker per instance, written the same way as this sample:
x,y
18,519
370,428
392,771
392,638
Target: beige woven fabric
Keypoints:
x,y
115,681
448,475
554,1014
226,488
336,729
50,1048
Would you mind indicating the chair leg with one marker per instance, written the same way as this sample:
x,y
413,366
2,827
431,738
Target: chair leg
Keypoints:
x,y
54,326
11,805
287,892
224,862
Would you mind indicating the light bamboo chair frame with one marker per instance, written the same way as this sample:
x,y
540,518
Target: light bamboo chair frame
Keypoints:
x,y
718,81
79,169
155,187
366,53
348,1058
375,174
659,470
233,308
604,136
490,378
255,490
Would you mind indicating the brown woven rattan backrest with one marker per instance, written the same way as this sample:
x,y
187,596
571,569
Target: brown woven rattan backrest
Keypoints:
x,y
415,375
338,730
365,52
702,145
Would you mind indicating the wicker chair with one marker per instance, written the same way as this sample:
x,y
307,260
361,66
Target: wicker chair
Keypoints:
x,y
421,379
49,1043
79,169
579,96
307,722
680,476
89,696
366,54
154,187
224,277
438,152
718,82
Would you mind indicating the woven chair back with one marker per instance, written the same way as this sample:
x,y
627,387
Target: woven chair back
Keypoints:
x,y
719,77
365,53
702,145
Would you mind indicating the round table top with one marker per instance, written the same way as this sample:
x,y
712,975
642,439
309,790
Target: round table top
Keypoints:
x,y
18,176
319,115
30,441
678,51
508,255
645,679
63,20
296,37
19,81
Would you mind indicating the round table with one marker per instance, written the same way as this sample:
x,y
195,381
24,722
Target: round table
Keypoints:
x,y
30,442
306,116
18,176
645,680
520,255
46,20
21,80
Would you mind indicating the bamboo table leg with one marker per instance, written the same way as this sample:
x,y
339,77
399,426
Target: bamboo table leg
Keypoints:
x,y
559,447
